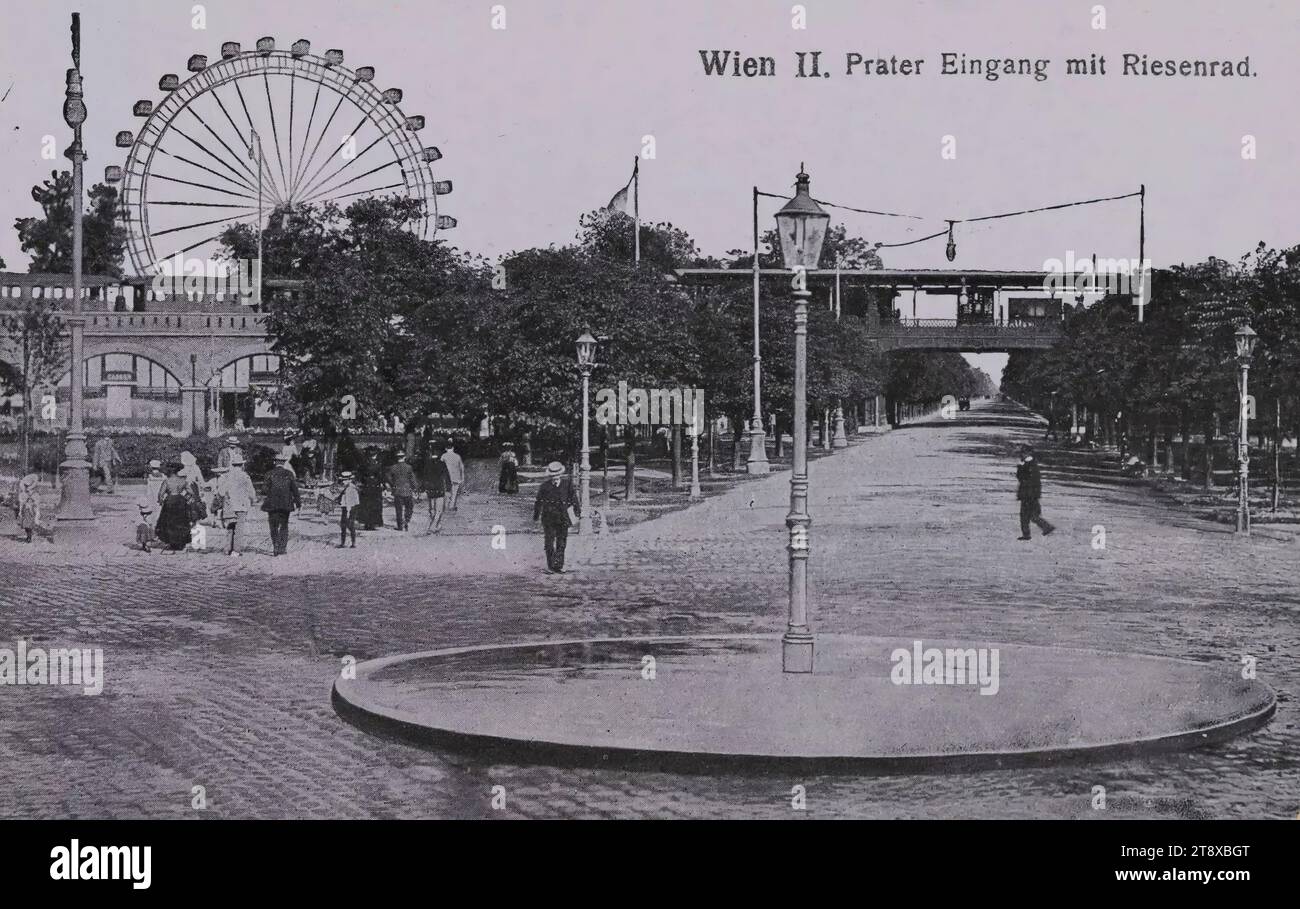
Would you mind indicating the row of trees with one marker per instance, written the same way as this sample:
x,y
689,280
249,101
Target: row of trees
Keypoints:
x,y
410,328
1175,371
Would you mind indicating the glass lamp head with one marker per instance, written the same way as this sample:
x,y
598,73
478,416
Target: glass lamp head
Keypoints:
x,y
801,226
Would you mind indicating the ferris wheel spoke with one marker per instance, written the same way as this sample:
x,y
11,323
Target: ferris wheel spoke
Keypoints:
x,y
290,182
307,135
357,157
238,132
176,230
275,131
239,159
247,142
312,182
275,191
213,238
203,148
362,192
335,189
202,186
324,129
215,189
202,167
204,204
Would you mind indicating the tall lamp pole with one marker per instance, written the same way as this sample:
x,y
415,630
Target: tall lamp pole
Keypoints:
x,y
1245,339
586,345
801,225
757,462
74,504
696,417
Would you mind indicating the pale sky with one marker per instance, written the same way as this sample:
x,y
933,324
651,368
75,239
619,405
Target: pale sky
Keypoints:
x,y
540,121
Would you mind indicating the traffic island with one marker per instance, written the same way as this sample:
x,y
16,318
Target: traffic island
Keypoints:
x,y
872,704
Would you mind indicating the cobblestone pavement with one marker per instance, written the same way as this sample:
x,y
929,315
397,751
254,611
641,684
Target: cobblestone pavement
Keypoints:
x,y
218,671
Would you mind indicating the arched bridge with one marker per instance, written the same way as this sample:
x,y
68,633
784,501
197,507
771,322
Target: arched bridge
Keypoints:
x,y
172,350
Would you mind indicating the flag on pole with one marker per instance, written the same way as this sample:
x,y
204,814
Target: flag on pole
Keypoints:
x,y
621,198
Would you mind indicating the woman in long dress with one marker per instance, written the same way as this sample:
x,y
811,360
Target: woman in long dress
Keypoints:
x,y
192,473
175,496
370,513
509,481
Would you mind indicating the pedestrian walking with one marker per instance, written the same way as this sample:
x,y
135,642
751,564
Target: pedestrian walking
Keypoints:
x,y
455,471
229,451
292,462
105,460
199,493
233,499
346,456
176,497
509,480
1030,491
558,508
144,535
310,460
401,480
27,505
435,481
282,498
348,499
152,484
371,510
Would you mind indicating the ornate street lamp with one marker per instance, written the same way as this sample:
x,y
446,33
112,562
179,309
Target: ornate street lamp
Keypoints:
x,y
74,504
586,346
1245,339
801,225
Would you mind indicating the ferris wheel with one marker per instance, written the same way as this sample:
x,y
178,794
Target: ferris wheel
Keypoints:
x,y
263,129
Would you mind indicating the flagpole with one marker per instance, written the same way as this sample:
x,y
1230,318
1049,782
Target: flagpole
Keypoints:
x,y
757,462
255,139
636,207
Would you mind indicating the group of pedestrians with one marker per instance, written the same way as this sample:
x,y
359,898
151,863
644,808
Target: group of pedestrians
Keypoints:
x,y
185,499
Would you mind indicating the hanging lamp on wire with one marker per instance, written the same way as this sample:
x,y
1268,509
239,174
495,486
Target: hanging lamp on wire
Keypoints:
x,y
951,251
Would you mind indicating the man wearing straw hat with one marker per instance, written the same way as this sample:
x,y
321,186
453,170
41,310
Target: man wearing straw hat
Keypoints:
x,y
234,490
558,508
226,454
348,499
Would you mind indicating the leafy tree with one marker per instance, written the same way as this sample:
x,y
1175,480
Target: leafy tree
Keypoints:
x,y
37,357
48,239
349,330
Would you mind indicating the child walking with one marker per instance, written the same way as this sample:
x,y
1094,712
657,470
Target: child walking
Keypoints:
x,y
348,498
144,534
27,505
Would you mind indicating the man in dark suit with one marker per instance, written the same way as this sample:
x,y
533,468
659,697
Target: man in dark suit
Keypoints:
x,y
401,480
435,481
1029,491
555,500
281,498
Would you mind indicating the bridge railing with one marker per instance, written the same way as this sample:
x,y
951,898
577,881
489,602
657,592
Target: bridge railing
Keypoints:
x,y
950,327
251,323
172,322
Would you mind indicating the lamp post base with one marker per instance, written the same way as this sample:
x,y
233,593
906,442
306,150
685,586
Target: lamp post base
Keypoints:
x,y
840,439
74,500
797,652
757,462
